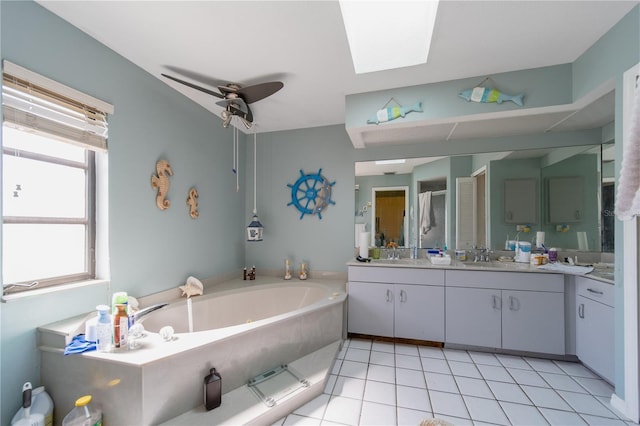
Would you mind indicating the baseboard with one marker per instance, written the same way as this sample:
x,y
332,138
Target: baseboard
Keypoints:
x,y
620,405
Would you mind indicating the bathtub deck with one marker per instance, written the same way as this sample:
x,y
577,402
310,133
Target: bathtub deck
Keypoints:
x,y
241,406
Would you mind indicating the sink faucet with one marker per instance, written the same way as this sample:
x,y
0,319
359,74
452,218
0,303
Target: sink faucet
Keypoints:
x,y
482,255
139,316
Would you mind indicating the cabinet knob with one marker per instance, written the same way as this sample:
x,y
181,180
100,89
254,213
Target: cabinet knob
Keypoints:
x,y
389,295
497,302
403,296
581,310
514,303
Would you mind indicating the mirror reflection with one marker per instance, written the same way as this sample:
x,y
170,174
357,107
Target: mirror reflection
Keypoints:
x,y
486,200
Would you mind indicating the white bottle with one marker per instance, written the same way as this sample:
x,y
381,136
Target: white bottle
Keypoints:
x,y
41,403
104,329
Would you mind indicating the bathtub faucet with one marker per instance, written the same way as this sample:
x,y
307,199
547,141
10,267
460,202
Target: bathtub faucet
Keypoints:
x,y
139,316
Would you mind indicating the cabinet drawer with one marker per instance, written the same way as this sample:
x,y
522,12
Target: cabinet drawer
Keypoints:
x,y
507,280
376,274
595,290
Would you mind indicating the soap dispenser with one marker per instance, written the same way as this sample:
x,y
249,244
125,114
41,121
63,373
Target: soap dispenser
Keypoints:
x,y
212,390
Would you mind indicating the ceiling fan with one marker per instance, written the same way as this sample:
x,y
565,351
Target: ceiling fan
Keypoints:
x,y
236,99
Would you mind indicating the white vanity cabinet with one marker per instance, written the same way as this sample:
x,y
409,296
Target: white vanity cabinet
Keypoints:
x,y
396,302
505,310
595,326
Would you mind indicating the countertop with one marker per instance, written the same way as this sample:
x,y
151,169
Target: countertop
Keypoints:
x,y
602,273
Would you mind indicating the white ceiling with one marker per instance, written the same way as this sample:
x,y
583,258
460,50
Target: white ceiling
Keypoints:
x,y
303,44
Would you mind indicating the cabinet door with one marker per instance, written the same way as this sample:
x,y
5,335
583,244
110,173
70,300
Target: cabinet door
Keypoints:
x,y
520,201
594,336
370,309
533,321
473,316
566,199
419,312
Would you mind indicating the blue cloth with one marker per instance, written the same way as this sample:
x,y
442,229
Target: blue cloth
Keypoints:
x,y
79,345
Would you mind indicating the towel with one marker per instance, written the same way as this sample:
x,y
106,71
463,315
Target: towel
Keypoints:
x,y
628,197
567,269
79,345
424,200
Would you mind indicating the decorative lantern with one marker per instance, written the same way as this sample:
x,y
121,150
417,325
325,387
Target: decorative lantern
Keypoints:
x,y
254,230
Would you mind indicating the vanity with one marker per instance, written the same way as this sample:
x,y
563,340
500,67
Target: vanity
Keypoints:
x,y
490,306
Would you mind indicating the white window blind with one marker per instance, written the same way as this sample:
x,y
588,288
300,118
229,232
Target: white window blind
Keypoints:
x,y
35,103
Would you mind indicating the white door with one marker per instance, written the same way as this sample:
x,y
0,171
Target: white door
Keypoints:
x,y
370,309
419,312
473,316
533,321
595,337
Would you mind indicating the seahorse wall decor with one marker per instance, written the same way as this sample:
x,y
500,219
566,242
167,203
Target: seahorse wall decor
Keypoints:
x,y
192,202
161,182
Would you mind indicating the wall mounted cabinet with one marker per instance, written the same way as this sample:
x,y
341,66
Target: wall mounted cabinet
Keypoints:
x,y
566,199
521,201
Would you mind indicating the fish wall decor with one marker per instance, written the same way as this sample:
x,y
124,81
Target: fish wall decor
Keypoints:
x,y
486,95
391,113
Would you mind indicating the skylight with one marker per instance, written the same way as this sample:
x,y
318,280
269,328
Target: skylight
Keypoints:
x,y
385,35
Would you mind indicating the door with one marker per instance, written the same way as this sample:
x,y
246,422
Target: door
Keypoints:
x,y
370,309
473,316
533,321
595,336
419,312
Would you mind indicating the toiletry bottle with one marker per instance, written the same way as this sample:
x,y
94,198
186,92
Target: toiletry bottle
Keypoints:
x,y
119,297
120,327
103,329
83,414
212,390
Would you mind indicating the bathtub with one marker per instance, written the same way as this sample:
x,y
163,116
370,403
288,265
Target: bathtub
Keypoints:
x,y
242,328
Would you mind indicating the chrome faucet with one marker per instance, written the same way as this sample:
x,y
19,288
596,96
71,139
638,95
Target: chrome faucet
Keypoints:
x,y
139,316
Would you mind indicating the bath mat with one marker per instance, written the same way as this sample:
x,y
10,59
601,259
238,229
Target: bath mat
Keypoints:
x,y
277,384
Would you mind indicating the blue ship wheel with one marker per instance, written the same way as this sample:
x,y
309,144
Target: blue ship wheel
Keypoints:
x,y
311,193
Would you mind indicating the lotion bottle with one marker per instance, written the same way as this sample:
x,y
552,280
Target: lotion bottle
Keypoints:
x,y
120,327
104,329
212,390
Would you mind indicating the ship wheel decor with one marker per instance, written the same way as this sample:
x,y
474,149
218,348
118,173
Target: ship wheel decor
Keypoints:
x,y
311,193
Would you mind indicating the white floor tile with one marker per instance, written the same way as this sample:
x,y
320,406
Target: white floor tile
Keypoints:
x,y
431,352
448,404
457,421
544,397
595,386
382,393
513,361
408,361
457,355
383,347
436,365
342,352
473,387
527,377
545,365
519,414
485,410
294,419
495,373
508,392
359,355
466,369
586,404
337,364
278,422
413,378
381,373
562,418
377,414
360,344
408,417
331,382
484,358
349,387
414,398
562,382
314,408
575,369
602,421
407,350
328,423
606,401
354,369
343,410
441,382
382,358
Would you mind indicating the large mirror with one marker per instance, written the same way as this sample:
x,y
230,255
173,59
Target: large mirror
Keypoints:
x,y
484,200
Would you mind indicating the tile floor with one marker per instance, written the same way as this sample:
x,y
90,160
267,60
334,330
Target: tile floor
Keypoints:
x,y
378,383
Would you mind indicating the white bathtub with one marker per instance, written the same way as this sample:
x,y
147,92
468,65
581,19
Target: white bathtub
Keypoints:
x,y
242,328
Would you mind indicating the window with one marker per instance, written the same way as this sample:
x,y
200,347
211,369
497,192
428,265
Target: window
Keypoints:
x,y
52,141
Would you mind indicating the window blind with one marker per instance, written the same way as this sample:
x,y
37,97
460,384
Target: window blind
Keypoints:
x,y
36,103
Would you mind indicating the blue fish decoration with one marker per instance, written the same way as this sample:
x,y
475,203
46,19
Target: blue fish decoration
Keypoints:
x,y
486,95
391,113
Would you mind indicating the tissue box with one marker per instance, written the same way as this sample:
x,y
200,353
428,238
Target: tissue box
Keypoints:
x,y
437,260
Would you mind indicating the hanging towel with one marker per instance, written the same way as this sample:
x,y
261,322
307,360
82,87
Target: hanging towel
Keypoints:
x,y
628,197
79,345
424,199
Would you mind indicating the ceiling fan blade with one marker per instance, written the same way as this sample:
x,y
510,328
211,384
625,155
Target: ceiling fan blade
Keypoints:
x,y
254,93
239,103
194,86
247,116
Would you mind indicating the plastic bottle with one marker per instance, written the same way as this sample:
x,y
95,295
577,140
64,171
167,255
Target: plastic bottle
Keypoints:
x,y
212,390
83,414
119,297
120,327
103,329
41,403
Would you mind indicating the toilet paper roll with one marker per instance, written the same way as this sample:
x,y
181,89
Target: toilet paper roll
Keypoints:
x,y
364,244
583,244
539,239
